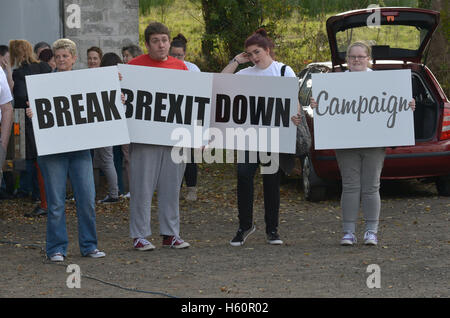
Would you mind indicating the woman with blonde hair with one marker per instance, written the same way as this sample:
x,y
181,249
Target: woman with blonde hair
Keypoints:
x,y
22,57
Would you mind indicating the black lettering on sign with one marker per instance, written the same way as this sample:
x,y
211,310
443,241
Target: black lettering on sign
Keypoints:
x,y
43,113
77,109
94,112
202,102
62,112
175,102
159,106
129,97
109,105
260,113
239,109
143,102
223,108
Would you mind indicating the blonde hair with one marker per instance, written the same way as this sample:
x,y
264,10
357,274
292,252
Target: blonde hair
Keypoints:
x,y
67,44
363,45
20,52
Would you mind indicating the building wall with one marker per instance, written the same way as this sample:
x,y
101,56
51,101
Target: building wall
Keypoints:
x,y
108,24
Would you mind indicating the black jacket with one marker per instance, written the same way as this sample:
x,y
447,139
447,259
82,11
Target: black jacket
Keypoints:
x,y
21,97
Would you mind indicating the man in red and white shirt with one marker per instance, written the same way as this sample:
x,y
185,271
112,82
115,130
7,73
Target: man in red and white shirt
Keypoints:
x,y
151,166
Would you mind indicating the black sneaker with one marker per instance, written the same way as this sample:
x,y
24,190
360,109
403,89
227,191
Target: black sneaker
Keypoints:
x,y
109,199
37,212
241,236
274,239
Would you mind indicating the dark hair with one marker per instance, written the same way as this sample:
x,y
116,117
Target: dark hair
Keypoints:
x,y
260,39
110,59
155,28
179,41
46,55
38,45
3,50
95,49
134,50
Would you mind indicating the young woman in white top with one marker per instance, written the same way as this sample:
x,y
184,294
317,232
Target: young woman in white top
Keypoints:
x,y
259,51
360,168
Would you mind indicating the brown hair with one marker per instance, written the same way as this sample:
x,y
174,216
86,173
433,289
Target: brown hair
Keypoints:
x,y
363,45
260,39
95,49
155,28
179,41
20,52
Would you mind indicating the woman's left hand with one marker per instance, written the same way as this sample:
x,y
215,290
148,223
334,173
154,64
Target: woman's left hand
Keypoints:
x,y
296,119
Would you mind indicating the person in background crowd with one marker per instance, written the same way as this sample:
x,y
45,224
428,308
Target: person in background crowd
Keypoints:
x,y
94,56
151,166
259,51
130,52
39,47
178,50
23,59
46,55
6,65
121,153
103,157
78,166
360,168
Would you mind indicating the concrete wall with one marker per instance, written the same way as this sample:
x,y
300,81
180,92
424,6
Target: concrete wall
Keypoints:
x,y
108,24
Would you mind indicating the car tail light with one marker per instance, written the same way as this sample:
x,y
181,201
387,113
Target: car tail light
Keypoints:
x,y
445,133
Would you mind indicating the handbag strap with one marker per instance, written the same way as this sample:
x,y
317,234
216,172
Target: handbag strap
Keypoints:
x,y
283,69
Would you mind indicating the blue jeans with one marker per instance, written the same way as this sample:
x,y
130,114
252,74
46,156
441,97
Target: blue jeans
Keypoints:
x,y
55,169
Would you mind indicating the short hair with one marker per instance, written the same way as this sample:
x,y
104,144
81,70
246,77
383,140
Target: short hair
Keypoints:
x,y
155,28
39,45
3,50
95,49
21,51
134,50
261,39
179,41
65,44
110,59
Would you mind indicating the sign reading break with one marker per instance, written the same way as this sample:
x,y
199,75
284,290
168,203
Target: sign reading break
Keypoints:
x,y
77,110
363,109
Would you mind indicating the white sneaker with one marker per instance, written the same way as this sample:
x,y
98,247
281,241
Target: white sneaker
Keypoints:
x,y
127,195
96,254
58,257
348,239
370,238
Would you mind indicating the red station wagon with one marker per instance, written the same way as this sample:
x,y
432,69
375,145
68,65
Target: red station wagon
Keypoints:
x,y
399,42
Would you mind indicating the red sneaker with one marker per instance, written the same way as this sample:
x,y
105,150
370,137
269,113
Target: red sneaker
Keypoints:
x,y
174,242
141,244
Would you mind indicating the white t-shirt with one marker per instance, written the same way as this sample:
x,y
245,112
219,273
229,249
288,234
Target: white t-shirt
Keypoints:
x,y
5,92
192,66
273,69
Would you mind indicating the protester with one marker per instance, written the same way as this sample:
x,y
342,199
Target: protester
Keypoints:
x,y
26,64
39,47
259,50
151,166
103,157
94,56
178,50
77,165
130,52
360,168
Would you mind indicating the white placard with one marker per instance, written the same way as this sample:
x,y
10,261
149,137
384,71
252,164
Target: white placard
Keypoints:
x,y
77,110
165,106
363,109
254,112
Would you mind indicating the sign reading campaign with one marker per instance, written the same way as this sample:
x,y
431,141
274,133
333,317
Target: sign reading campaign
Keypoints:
x,y
159,101
77,110
254,112
363,109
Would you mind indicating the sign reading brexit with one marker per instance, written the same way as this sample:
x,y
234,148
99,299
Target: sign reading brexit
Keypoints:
x,y
77,110
363,109
254,112
160,100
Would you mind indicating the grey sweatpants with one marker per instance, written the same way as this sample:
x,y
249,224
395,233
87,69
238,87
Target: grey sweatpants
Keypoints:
x,y
104,160
360,171
152,168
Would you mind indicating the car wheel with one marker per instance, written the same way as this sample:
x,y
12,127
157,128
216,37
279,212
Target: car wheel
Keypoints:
x,y
443,185
312,188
